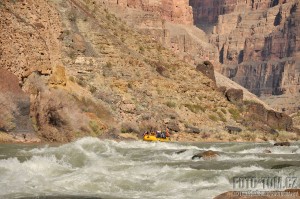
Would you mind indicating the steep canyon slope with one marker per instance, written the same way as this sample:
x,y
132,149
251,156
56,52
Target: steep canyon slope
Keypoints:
x,y
83,71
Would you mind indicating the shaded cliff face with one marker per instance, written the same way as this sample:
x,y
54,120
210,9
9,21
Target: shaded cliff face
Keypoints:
x,y
257,41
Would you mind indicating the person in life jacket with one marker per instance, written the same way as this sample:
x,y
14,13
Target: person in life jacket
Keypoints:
x,y
167,133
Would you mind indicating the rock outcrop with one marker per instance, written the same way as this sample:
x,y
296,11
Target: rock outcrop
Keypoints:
x,y
14,105
29,42
206,155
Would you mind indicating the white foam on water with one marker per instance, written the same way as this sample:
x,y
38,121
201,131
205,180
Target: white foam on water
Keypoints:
x,y
118,169
274,150
239,169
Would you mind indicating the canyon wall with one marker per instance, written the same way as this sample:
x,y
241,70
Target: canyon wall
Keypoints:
x,y
210,10
258,43
177,11
167,21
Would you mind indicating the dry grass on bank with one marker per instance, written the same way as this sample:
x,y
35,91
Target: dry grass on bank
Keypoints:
x,y
4,137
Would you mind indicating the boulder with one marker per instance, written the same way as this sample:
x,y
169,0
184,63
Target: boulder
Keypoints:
x,y
233,129
207,69
181,151
267,151
282,144
281,166
275,120
173,126
206,155
279,120
192,129
234,95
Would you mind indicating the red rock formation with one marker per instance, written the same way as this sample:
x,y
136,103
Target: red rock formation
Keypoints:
x,y
177,11
210,10
258,42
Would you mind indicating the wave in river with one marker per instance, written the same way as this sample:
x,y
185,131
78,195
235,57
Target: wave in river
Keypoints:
x,y
109,169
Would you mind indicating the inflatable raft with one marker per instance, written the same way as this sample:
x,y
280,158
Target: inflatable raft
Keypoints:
x,y
154,138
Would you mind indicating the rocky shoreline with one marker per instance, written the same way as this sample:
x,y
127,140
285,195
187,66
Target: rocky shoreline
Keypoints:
x,y
282,137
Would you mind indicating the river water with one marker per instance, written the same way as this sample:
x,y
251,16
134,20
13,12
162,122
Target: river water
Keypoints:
x,y
93,168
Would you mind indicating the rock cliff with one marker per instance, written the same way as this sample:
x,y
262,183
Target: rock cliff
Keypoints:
x,y
171,23
258,43
177,11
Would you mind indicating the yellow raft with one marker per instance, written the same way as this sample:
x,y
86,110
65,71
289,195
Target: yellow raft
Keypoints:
x,y
154,138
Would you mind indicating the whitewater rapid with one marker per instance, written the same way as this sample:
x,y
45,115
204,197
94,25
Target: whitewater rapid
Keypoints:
x,y
97,168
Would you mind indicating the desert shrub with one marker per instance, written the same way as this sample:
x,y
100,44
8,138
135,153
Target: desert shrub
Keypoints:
x,y
248,136
223,110
221,135
213,117
142,49
205,135
57,116
96,130
195,108
221,116
92,89
171,104
286,136
129,127
72,15
4,137
108,65
81,82
72,79
234,113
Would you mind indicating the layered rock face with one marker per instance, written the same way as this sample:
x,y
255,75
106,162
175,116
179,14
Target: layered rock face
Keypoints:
x,y
177,11
258,43
28,37
210,10
171,23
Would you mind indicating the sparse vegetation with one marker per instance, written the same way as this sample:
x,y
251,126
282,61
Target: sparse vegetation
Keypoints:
x,y
171,104
224,110
72,16
213,117
195,108
72,79
221,116
92,89
248,135
108,65
81,82
142,49
4,137
234,113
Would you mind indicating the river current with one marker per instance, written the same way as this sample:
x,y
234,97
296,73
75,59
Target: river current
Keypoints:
x,y
93,168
